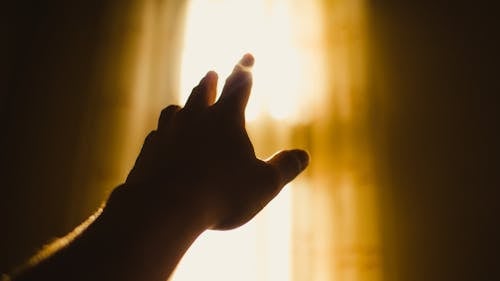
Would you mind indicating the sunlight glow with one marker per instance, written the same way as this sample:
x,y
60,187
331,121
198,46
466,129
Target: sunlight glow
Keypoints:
x,y
286,74
219,32
311,90
259,250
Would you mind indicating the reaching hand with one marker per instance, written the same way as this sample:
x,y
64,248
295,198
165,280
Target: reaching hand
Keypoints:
x,y
198,170
200,156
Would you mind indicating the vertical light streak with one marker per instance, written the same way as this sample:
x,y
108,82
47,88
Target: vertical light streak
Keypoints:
x,y
342,234
309,91
309,79
219,32
286,81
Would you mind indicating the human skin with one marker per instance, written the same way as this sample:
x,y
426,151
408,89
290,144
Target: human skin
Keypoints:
x,y
196,171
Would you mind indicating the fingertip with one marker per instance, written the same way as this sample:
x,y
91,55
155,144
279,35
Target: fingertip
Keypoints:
x,y
289,163
211,91
212,75
247,60
302,157
167,116
244,66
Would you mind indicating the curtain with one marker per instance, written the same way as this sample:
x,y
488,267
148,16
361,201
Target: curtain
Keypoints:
x,y
337,229
400,127
311,91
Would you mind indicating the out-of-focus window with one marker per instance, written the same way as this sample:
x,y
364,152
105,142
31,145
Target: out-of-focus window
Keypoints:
x,y
309,92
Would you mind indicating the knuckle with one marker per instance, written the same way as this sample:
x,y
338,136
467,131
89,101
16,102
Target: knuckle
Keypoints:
x,y
170,109
167,113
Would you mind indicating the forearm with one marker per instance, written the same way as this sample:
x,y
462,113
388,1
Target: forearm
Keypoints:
x,y
123,244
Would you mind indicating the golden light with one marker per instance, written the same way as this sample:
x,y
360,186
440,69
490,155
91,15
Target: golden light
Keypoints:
x,y
217,34
309,92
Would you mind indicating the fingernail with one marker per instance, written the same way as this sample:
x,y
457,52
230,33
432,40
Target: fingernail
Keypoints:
x,y
303,158
247,60
211,75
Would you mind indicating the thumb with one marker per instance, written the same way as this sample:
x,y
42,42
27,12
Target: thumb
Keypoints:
x,y
289,163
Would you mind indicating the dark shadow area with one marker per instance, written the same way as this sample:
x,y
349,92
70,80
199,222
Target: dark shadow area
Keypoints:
x,y
55,66
435,76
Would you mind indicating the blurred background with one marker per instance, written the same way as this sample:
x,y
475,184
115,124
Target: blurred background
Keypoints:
x,y
394,101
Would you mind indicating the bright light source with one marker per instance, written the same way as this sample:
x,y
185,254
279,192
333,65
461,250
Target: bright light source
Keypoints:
x,y
219,32
286,80
259,250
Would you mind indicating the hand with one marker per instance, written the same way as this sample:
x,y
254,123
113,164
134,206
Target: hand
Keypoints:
x,y
200,156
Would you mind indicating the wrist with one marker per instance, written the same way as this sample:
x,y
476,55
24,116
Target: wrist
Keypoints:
x,y
137,206
139,238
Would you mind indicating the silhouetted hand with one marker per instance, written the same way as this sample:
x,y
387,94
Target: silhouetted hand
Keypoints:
x,y
198,170
200,157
